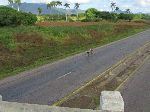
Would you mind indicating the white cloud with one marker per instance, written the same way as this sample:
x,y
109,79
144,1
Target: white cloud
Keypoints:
x,y
70,1
3,2
79,1
144,2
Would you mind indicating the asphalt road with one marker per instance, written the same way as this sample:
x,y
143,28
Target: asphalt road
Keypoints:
x,y
49,83
136,92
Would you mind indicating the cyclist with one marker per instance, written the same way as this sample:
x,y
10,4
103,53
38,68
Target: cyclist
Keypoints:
x,y
91,51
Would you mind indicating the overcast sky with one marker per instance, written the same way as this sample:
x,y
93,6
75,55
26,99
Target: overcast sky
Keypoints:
x,y
134,5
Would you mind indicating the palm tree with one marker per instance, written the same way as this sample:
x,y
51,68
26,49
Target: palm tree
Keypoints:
x,y
54,3
128,11
58,3
18,2
117,9
39,10
77,5
11,3
67,5
113,6
49,5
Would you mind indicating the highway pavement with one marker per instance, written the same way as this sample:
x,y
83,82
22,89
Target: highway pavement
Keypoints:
x,y
51,82
136,92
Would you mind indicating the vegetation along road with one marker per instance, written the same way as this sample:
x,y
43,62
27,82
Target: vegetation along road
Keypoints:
x,y
51,82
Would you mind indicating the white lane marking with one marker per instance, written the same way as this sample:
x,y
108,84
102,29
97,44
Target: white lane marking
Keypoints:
x,y
64,75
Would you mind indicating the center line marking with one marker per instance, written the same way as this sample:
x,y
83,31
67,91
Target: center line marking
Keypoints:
x,y
64,75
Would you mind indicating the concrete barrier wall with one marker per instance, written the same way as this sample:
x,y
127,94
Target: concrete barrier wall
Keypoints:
x,y
111,101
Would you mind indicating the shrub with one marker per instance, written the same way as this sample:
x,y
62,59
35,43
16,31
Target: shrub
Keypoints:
x,y
11,17
7,16
103,15
107,15
91,13
126,16
70,20
146,16
85,20
26,18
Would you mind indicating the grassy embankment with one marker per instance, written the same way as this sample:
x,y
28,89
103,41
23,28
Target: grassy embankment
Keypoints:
x,y
25,47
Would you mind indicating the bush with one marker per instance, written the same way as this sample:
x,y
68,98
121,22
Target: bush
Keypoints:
x,y
126,16
91,13
146,16
103,15
107,15
26,18
70,20
85,20
7,16
11,17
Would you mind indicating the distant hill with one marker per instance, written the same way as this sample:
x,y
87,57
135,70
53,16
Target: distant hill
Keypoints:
x,y
32,7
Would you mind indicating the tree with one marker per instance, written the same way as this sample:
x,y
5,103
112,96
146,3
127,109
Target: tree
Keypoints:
x,y
77,5
107,15
117,9
113,6
128,17
18,2
67,5
91,13
58,3
53,3
145,16
49,6
11,3
39,10
11,17
128,11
